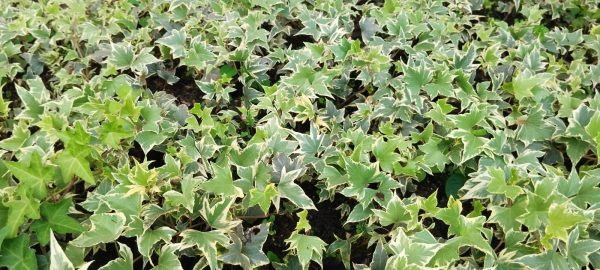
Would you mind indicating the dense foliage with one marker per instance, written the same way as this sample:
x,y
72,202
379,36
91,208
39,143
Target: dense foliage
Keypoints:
x,y
291,134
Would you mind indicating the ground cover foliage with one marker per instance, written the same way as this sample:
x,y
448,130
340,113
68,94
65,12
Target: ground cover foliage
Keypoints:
x,y
289,134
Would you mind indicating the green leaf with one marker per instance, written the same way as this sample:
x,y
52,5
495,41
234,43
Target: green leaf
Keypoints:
x,y
525,82
472,145
308,248
560,220
247,157
441,85
395,213
16,254
18,210
534,127
105,228
33,107
307,78
310,144
149,139
142,59
198,54
18,138
453,184
333,176
34,176
55,218
576,149
302,224
359,213
227,71
415,78
121,55
187,198
385,152
206,242
498,184
112,132
263,198
467,232
221,182
217,214
469,120
411,251
75,164
4,105
434,153
58,259
538,205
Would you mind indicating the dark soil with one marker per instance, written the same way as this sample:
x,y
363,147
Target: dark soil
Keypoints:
x,y
510,18
9,92
296,42
185,90
425,188
430,184
155,157
283,225
326,223
5,135
111,252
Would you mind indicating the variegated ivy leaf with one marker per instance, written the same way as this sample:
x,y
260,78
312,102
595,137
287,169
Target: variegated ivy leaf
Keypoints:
x,y
547,260
216,213
526,84
499,185
246,248
4,104
175,122
124,262
466,231
123,56
413,252
560,219
395,212
150,237
360,176
75,164
263,198
288,189
435,155
176,41
168,259
198,55
58,259
221,182
206,243
579,250
104,228
149,139
186,197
